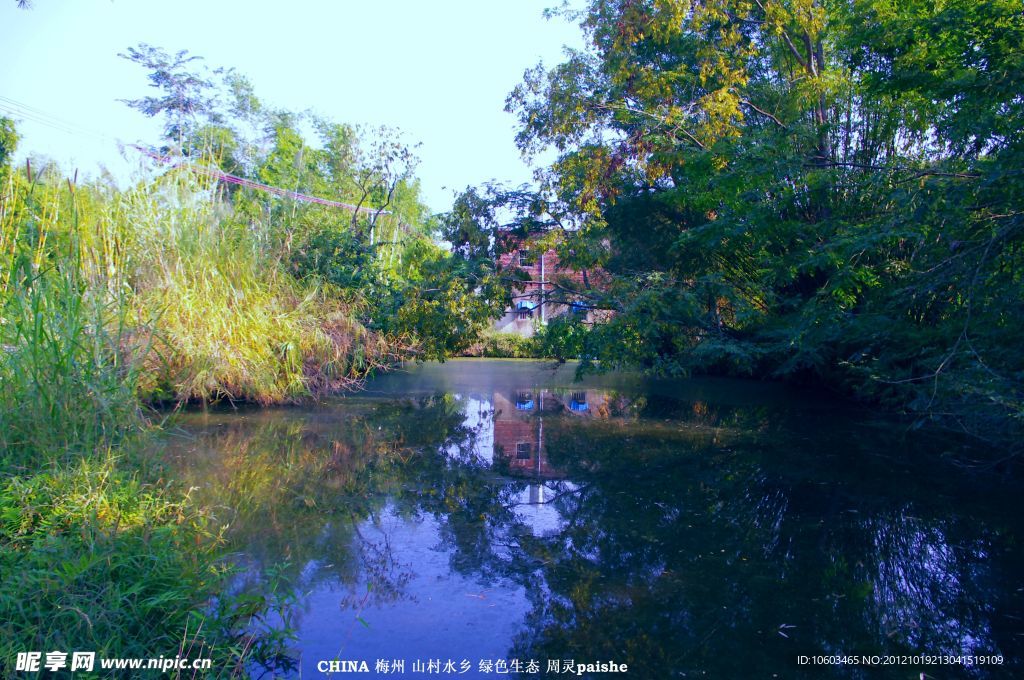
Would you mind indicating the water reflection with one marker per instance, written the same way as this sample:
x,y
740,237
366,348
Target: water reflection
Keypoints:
x,y
518,428
471,511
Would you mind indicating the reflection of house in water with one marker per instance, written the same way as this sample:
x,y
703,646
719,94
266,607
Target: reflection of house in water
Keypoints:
x,y
519,425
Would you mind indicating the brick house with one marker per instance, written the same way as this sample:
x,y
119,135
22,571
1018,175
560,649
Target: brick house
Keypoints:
x,y
533,306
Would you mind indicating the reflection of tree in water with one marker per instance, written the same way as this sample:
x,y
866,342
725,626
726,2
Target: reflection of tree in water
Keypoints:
x,y
295,489
685,554
942,609
692,537
385,574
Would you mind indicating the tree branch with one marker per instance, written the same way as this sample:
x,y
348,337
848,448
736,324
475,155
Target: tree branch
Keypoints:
x,y
916,173
747,102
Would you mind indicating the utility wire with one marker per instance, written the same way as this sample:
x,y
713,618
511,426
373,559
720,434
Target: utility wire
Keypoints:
x,y
259,186
16,108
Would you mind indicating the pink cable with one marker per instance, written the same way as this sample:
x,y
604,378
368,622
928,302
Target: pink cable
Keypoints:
x,y
250,184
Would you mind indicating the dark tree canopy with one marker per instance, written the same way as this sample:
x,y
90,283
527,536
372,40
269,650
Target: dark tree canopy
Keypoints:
x,y
817,190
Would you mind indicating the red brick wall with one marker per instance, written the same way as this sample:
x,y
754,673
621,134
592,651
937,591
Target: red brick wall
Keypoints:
x,y
532,291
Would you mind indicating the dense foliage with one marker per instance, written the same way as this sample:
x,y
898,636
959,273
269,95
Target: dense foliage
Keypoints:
x,y
378,257
817,190
183,288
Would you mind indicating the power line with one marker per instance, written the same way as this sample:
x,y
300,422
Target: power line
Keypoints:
x,y
259,186
14,107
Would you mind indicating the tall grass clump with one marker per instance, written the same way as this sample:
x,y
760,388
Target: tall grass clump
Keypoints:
x,y
94,555
67,372
230,322
112,301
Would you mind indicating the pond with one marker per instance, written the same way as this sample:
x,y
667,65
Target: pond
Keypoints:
x,y
498,515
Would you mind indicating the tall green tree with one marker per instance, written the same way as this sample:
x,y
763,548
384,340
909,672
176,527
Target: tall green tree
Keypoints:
x,y
814,189
185,97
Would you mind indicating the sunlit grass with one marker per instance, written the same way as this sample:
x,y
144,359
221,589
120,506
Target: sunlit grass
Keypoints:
x,y
230,324
110,302
96,560
67,372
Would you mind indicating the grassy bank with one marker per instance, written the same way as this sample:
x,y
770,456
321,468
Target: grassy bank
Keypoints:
x,y
111,302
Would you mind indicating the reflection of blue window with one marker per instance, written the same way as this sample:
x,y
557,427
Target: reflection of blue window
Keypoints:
x,y
578,402
524,401
578,308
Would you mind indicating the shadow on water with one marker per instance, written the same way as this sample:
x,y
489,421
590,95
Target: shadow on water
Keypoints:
x,y
485,510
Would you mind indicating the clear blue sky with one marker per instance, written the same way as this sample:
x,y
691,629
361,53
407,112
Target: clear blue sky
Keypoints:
x,y
438,70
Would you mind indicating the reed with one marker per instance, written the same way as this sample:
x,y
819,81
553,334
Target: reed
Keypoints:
x,y
110,301
230,323
68,384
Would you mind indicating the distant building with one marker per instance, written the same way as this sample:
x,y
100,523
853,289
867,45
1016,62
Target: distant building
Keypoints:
x,y
543,296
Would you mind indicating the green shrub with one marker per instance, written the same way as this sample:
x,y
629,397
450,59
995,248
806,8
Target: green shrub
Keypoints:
x,y
508,346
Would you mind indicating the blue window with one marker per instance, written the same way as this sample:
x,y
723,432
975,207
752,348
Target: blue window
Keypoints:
x,y
524,401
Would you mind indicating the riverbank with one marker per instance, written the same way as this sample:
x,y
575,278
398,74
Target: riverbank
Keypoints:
x,y
111,302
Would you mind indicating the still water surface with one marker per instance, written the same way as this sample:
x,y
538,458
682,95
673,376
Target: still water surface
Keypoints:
x,y
487,509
